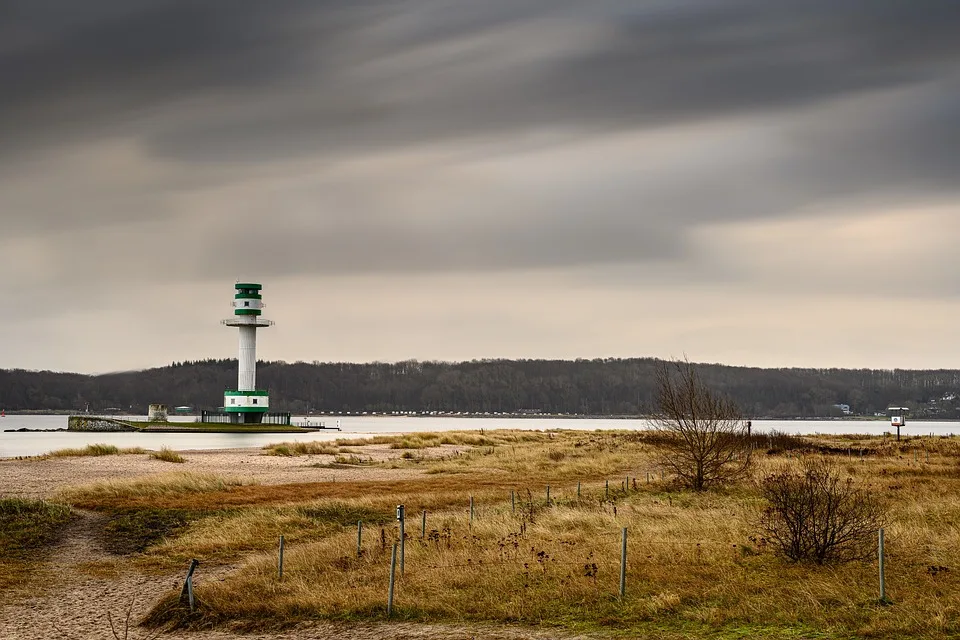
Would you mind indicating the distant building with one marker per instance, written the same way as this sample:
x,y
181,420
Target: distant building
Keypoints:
x,y
157,413
845,408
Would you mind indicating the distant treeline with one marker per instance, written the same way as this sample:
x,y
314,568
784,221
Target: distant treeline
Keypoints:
x,y
593,387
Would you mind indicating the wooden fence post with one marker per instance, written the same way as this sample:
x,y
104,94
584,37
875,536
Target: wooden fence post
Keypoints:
x,y
883,583
393,575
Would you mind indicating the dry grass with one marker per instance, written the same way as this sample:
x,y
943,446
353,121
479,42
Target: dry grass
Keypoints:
x,y
122,493
694,560
436,439
94,450
167,455
26,528
301,449
697,565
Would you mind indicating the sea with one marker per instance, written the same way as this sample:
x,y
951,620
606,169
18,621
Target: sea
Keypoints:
x,y
46,438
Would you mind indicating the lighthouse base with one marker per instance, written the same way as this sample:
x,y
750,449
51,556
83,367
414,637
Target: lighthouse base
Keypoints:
x,y
246,407
246,418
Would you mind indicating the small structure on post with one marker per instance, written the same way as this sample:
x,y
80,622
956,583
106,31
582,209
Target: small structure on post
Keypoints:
x,y
898,418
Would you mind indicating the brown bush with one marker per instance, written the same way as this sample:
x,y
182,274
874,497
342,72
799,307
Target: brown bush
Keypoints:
x,y
815,514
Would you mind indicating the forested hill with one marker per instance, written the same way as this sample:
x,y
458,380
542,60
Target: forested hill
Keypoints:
x,y
595,387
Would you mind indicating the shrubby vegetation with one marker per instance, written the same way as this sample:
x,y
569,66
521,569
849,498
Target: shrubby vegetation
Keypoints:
x,y
817,513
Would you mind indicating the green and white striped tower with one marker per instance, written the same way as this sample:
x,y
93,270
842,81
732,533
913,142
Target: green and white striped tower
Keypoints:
x,y
247,404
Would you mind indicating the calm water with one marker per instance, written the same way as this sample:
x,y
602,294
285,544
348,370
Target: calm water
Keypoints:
x,y
31,444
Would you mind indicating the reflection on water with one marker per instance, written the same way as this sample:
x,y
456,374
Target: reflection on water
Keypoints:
x,y
31,444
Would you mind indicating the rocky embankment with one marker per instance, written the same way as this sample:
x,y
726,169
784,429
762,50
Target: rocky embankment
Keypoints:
x,y
98,424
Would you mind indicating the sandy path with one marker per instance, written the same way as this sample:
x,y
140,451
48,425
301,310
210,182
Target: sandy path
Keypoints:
x,y
63,600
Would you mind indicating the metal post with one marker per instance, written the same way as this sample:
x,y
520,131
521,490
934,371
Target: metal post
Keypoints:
x,y
280,560
513,502
423,525
623,563
606,490
471,512
883,584
548,495
578,489
188,581
359,538
189,587
393,576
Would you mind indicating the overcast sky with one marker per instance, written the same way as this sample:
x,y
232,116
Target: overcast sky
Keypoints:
x,y
741,181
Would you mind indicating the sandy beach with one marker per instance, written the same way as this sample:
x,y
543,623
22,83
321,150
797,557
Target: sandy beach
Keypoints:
x,y
66,599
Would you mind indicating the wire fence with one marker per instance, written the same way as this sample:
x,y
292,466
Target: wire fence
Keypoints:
x,y
600,553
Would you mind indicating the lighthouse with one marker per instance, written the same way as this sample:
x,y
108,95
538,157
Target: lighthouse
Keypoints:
x,y
247,404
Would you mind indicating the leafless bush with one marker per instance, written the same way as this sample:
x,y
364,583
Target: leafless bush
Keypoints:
x,y
705,439
815,514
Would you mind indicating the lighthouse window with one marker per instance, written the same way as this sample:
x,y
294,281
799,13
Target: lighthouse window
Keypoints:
x,y
247,303
254,401
233,401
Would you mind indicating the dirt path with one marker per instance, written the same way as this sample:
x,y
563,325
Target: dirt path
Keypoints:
x,y
68,603
62,599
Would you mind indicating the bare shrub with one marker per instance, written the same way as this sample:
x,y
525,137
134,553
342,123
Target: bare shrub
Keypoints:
x,y
704,439
815,514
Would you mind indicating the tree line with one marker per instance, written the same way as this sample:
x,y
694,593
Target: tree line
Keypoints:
x,y
609,386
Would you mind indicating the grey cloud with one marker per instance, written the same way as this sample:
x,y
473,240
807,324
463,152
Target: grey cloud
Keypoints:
x,y
656,62
224,91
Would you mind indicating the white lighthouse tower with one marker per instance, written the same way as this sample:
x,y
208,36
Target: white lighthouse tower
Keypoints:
x,y
247,404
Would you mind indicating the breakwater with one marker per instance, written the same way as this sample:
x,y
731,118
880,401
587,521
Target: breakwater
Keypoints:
x,y
98,424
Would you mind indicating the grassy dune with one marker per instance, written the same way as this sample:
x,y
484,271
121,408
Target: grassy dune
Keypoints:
x,y
300,449
696,563
167,455
95,450
135,492
26,528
